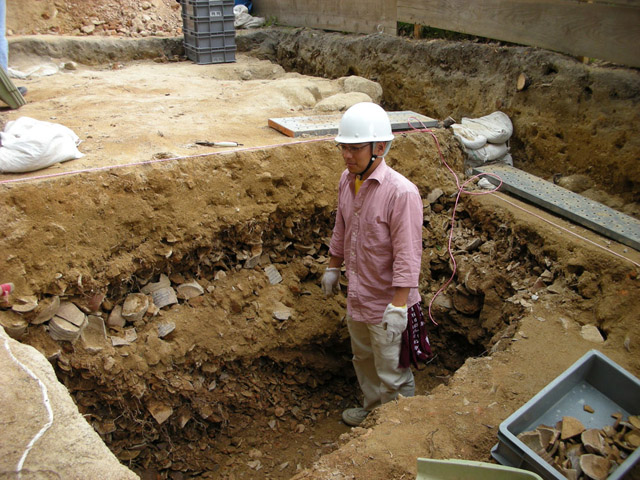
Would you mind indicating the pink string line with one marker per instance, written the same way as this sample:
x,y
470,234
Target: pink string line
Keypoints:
x,y
461,190
159,160
560,227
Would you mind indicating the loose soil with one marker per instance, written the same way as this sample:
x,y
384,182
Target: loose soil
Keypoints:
x,y
254,393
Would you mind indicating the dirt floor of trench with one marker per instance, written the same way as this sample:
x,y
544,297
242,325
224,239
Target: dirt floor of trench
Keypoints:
x,y
254,372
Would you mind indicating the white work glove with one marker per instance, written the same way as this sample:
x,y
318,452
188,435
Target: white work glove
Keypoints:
x,y
394,319
330,280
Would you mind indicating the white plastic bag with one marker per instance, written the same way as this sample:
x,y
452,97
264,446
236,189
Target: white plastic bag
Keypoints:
x,y
469,138
245,20
29,144
496,127
487,153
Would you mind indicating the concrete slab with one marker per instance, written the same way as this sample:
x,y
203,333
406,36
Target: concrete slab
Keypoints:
x,y
328,124
575,207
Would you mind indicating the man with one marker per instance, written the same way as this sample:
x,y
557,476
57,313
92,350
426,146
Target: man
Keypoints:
x,y
378,237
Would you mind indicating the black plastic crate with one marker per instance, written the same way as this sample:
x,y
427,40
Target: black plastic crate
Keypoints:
x,y
204,56
208,40
208,25
208,8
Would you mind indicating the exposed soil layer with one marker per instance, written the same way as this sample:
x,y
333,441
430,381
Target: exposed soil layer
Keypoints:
x,y
251,381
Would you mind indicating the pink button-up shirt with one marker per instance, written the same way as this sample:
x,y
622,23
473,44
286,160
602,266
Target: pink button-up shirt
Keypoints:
x,y
378,233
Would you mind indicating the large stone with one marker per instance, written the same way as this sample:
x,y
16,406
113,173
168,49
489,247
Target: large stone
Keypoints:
x,y
23,415
362,85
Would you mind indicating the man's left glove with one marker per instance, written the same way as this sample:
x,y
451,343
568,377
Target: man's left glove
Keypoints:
x,y
330,280
394,319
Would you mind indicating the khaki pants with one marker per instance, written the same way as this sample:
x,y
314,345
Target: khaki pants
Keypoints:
x,y
376,353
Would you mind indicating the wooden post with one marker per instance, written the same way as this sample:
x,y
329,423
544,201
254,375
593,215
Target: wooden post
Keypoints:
x,y
417,31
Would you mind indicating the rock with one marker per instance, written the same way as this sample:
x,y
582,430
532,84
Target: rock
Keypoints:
x,y
341,102
361,85
434,195
576,183
26,413
88,28
591,334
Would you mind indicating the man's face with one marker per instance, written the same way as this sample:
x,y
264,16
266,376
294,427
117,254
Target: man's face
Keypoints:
x,y
356,156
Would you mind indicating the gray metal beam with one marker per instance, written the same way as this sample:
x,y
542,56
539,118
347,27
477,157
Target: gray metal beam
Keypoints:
x,y
328,124
575,207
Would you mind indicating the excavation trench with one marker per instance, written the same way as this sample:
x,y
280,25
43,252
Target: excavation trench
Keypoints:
x,y
248,378
254,372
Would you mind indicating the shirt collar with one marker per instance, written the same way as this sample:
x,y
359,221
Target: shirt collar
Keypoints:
x,y
378,174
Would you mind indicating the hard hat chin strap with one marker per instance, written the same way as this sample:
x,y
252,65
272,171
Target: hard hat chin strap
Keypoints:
x,y
373,159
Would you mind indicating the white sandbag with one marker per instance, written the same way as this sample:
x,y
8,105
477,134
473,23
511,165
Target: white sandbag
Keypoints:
x,y
243,19
487,153
28,144
495,127
469,138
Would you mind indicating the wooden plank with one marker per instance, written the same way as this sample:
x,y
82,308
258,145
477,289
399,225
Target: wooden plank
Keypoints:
x,y
366,16
604,30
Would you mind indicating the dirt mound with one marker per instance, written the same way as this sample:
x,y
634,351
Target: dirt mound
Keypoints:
x,y
129,18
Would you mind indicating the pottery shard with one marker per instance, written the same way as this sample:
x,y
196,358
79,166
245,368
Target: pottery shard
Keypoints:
x,y
593,441
94,335
532,440
281,312
25,304
115,317
163,282
71,313
159,411
47,308
164,297
571,427
594,466
189,290
62,330
273,274
135,306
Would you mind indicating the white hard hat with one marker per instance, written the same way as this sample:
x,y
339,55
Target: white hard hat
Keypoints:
x,y
364,122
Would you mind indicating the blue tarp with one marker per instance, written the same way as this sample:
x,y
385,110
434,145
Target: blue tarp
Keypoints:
x,y
246,3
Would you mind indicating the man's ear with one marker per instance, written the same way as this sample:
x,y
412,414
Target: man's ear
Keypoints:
x,y
380,148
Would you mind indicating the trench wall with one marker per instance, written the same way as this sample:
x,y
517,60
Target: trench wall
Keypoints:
x,y
573,118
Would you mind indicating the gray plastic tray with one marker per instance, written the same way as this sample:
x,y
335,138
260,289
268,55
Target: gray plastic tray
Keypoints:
x,y
594,380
